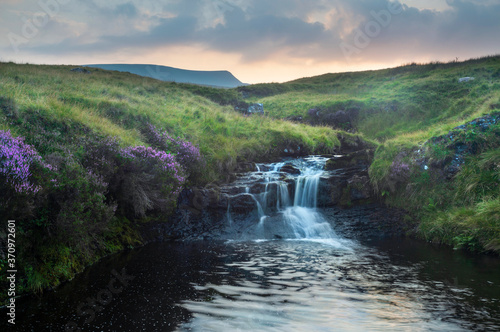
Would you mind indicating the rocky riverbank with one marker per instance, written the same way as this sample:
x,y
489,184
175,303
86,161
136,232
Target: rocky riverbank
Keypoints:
x,y
344,197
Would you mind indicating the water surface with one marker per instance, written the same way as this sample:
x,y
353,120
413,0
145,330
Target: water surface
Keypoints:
x,y
278,286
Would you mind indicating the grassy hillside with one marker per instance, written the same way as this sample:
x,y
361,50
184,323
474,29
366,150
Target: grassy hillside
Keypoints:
x,y
404,108
120,104
392,102
89,158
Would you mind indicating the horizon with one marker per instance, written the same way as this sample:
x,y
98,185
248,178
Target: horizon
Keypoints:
x,y
293,79
256,41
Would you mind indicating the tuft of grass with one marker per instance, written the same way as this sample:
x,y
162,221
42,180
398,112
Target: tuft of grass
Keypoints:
x,y
475,227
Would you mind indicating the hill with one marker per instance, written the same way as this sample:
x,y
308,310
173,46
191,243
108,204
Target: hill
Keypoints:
x,y
89,157
223,79
438,129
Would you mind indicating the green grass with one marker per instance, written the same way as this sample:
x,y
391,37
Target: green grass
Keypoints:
x,y
118,104
398,111
56,109
396,101
403,108
475,227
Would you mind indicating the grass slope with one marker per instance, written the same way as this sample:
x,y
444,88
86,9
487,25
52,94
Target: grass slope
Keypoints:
x,y
403,108
55,110
119,104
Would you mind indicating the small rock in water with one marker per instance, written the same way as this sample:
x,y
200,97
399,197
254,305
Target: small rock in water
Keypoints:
x,y
290,169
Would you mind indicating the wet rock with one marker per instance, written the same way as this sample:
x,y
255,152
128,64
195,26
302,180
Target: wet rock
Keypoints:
x,y
370,222
358,158
359,188
290,169
330,190
242,203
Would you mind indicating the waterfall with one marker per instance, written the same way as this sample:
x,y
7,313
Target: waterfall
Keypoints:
x,y
283,196
292,215
306,192
302,217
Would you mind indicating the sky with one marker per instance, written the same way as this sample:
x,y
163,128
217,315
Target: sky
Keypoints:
x,y
256,40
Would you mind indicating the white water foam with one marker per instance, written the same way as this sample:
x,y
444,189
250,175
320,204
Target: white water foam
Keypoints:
x,y
300,220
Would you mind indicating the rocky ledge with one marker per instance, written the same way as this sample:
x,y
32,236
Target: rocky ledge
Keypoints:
x,y
345,197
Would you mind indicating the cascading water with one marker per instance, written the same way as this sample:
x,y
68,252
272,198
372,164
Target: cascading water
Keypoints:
x,y
285,196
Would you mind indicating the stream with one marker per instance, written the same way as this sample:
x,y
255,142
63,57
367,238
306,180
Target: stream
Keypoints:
x,y
290,270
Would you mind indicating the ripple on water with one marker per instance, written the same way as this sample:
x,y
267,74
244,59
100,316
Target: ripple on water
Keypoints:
x,y
298,285
279,286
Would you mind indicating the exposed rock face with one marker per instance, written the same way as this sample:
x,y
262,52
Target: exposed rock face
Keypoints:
x,y
290,169
461,140
349,144
359,158
370,221
345,187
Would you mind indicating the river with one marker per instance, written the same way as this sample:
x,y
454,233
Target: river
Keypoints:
x,y
307,278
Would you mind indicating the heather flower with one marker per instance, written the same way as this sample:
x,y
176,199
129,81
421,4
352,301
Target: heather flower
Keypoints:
x,y
17,160
154,178
400,170
159,160
187,154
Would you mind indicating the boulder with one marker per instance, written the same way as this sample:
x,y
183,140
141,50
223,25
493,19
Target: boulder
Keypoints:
x,y
256,108
314,113
466,79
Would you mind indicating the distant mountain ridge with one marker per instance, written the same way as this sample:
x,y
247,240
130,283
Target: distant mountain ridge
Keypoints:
x,y
221,78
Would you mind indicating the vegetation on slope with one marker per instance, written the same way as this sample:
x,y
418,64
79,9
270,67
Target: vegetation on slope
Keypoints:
x,y
98,149
404,108
86,159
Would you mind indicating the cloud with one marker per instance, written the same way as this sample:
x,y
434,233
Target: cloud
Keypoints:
x,y
316,31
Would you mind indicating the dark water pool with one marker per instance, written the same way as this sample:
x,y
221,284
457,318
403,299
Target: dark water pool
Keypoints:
x,y
390,285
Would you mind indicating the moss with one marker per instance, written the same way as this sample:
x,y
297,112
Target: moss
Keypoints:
x,y
345,199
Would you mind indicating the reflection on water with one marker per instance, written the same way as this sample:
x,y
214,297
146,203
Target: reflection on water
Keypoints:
x,y
278,286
